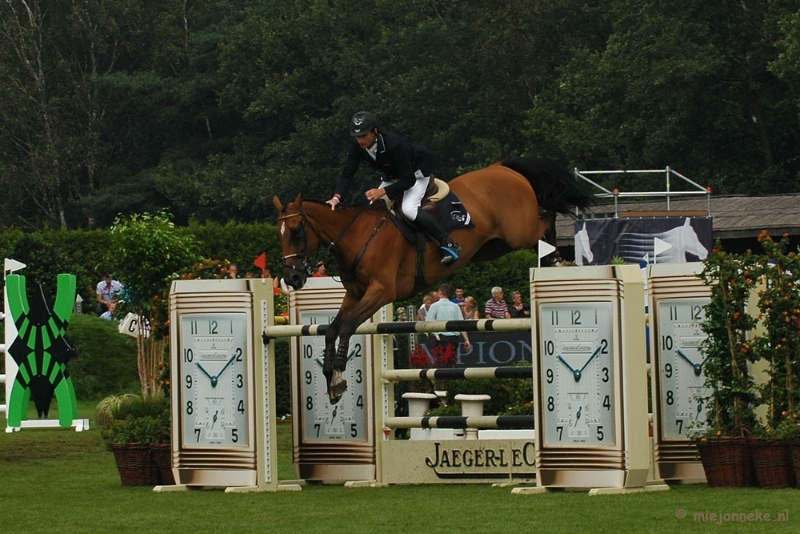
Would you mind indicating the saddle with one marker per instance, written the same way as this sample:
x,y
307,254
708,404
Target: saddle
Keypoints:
x,y
436,192
442,204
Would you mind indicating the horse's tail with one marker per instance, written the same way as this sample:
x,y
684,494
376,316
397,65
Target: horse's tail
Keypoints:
x,y
555,187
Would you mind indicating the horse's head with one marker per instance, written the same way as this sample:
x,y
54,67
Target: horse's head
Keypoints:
x,y
293,236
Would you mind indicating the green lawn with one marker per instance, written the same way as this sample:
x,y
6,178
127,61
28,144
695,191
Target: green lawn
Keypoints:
x,y
66,481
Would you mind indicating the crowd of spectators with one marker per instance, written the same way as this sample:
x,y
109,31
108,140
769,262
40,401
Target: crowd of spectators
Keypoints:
x,y
494,308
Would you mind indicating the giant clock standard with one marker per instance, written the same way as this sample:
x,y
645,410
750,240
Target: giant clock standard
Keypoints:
x,y
577,373
214,380
680,367
323,421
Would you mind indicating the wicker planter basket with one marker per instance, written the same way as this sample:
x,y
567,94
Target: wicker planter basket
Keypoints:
x,y
772,462
726,461
135,465
162,456
794,454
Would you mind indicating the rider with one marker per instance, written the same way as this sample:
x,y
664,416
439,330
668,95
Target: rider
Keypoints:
x,y
406,173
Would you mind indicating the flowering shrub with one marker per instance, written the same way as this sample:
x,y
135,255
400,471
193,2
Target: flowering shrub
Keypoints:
x,y
206,269
726,350
439,356
779,345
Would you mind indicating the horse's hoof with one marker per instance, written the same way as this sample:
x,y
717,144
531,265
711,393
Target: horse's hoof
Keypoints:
x,y
337,387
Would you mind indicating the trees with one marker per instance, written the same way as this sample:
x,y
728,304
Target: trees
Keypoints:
x,y
125,106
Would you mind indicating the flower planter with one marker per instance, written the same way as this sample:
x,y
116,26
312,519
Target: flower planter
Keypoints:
x,y
726,461
161,455
135,465
772,462
794,454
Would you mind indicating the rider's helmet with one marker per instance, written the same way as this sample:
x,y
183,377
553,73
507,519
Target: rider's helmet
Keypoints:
x,y
362,122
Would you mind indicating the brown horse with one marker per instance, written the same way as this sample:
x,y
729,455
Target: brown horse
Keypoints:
x,y
379,265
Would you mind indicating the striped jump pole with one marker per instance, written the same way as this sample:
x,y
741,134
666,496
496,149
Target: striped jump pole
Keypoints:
x,y
481,422
406,375
481,325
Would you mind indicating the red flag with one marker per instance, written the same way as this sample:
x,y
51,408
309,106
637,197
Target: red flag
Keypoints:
x,y
261,261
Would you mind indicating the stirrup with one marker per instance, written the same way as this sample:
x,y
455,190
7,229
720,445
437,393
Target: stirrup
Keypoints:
x,y
450,250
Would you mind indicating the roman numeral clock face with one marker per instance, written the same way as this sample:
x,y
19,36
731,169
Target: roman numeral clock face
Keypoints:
x,y
681,367
577,373
214,380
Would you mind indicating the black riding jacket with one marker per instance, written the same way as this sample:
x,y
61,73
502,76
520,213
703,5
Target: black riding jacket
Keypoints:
x,y
396,158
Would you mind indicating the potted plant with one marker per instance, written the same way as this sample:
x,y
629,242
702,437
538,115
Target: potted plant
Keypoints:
x,y
778,345
727,353
137,431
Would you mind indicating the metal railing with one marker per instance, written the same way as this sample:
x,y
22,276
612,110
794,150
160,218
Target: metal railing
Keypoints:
x,y
616,194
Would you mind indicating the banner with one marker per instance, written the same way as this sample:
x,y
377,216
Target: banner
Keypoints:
x,y
490,349
642,239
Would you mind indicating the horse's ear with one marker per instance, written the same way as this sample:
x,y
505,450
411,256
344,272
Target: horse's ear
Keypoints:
x,y
277,203
299,200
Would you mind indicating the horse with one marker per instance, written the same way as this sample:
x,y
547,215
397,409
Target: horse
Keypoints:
x,y
512,205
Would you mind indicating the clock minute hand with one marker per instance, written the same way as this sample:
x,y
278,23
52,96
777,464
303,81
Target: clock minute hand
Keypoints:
x,y
579,373
698,367
216,378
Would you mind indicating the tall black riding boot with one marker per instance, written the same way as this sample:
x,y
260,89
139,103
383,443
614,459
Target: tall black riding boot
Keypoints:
x,y
429,224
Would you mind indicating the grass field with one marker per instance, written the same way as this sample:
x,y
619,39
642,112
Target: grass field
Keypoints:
x,y
65,481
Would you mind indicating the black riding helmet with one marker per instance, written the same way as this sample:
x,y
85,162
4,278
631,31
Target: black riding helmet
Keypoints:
x,y
362,122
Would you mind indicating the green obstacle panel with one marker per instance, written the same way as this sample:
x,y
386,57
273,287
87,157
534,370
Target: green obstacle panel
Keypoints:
x,y
41,350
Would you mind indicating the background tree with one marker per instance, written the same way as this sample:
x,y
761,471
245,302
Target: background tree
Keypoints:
x,y
148,251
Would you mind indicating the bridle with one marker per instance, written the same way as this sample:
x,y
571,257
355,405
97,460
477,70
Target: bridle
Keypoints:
x,y
302,254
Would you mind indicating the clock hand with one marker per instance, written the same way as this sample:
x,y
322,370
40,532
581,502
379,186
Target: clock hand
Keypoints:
x,y
578,415
579,373
698,367
216,378
214,420
575,373
213,378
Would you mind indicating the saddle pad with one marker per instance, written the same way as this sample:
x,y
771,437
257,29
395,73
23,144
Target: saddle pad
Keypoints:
x,y
452,215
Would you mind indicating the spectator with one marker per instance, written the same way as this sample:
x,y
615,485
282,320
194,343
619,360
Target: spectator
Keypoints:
x,y
471,309
233,271
496,307
459,298
109,313
108,293
518,308
422,312
321,271
445,310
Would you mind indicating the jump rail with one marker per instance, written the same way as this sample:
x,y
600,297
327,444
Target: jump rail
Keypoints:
x,y
481,325
405,375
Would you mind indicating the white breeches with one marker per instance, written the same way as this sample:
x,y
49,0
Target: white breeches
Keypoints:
x,y
413,196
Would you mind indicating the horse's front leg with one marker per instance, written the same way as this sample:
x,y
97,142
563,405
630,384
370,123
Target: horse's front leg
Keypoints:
x,y
331,367
346,326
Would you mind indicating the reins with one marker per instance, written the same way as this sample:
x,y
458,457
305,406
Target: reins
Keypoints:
x,y
352,271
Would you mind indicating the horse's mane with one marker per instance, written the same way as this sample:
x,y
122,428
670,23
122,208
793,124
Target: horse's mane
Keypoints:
x,y
555,187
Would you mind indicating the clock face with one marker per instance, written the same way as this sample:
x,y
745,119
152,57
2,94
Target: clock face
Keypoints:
x,y
323,421
577,373
681,367
214,380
